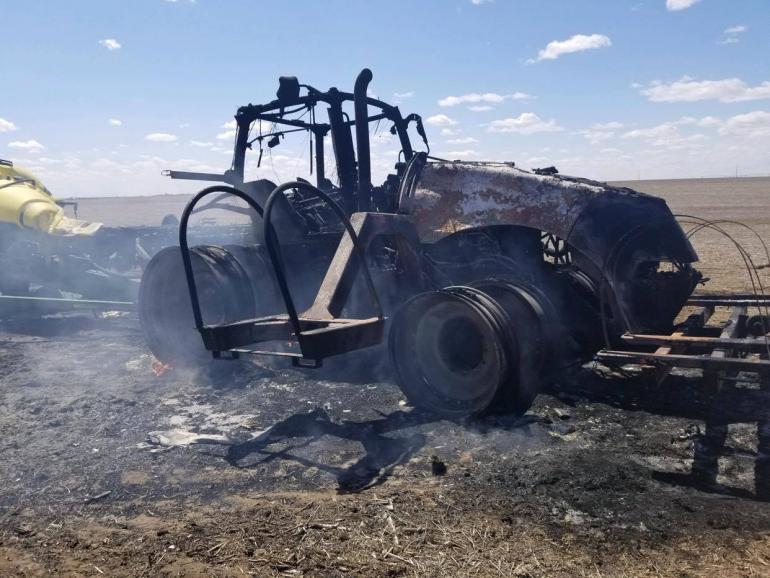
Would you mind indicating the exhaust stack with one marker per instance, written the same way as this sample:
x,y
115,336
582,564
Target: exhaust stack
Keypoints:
x,y
362,140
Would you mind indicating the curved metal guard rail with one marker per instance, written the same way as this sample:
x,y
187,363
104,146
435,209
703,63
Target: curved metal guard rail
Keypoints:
x,y
186,260
277,261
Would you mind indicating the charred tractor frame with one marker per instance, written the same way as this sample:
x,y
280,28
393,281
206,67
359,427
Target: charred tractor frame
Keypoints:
x,y
486,281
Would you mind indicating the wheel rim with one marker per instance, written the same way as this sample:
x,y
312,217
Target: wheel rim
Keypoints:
x,y
529,315
164,306
448,351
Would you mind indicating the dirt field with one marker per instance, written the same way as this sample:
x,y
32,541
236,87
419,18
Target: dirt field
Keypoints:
x,y
302,475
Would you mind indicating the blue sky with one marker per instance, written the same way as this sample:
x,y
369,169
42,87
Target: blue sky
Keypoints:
x,y
99,96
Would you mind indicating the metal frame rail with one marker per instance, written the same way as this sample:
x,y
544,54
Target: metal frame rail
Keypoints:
x,y
724,352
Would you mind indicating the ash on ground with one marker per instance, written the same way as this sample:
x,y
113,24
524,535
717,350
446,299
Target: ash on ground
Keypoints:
x,y
256,469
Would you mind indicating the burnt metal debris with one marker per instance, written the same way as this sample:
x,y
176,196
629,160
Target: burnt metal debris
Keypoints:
x,y
486,281
52,262
45,274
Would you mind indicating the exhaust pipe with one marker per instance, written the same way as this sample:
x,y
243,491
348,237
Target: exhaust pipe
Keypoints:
x,y
362,140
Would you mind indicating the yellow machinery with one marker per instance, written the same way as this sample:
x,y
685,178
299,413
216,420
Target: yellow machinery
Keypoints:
x,y
50,262
25,202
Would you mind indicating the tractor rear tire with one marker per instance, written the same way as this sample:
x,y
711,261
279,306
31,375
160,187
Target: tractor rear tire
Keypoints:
x,y
531,317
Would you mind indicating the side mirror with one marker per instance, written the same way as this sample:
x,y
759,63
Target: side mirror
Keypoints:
x,y
288,88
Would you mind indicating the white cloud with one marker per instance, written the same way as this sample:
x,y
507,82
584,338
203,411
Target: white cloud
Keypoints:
x,y
6,125
601,132
440,120
576,43
668,135
26,145
670,126
115,122
671,129
709,121
731,35
408,94
657,131
614,125
525,123
475,97
736,29
687,89
161,137
481,108
480,2
449,131
464,140
110,44
202,144
459,154
673,5
751,124
227,135
382,139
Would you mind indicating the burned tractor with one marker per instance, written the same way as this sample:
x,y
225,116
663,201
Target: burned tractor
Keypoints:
x,y
485,280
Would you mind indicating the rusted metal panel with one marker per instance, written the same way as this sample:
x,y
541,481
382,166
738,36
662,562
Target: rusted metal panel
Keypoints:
x,y
453,196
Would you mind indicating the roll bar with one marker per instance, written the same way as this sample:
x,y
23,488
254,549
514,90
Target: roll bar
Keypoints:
x,y
353,165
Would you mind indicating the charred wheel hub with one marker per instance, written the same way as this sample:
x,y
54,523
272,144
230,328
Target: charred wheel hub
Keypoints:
x,y
470,350
460,345
448,352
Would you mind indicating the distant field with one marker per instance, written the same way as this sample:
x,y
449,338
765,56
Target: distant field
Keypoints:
x,y
744,199
149,210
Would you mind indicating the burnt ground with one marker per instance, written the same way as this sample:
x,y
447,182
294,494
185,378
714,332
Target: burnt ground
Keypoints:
x,y
348,480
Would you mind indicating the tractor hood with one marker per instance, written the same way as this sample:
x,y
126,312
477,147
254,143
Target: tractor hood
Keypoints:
x,y
593,217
